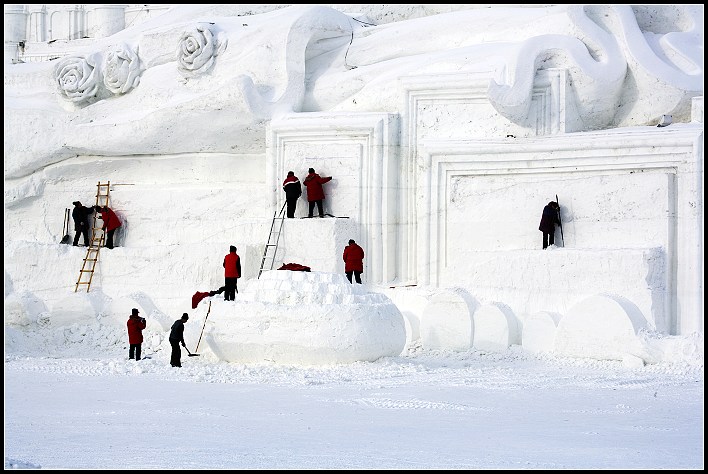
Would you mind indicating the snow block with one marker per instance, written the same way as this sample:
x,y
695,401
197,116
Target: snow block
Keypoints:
x,y
495,328
539,331
73,309
600,327
446,322
23,309
411,301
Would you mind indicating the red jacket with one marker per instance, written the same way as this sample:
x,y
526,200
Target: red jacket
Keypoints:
x,y
110,220
314,183
136,324
232,265
353,258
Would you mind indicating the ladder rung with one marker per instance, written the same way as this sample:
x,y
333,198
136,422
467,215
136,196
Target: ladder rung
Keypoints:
x,y
89,264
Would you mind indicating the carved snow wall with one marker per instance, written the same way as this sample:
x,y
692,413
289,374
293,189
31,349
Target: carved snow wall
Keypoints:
x,y
478,204
359,150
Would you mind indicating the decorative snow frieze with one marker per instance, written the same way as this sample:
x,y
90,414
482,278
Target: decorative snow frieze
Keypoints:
x,y
197,50
121,69
78,79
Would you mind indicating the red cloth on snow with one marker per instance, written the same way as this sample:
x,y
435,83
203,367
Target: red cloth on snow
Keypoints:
x,y
198,296
296,267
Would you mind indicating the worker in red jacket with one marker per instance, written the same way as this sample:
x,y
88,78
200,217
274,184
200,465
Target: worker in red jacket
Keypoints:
x,y
353,261
136,324
232,272
315,193
110,223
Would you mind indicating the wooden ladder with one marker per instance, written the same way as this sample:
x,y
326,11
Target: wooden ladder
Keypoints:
x,y
96,242
273,237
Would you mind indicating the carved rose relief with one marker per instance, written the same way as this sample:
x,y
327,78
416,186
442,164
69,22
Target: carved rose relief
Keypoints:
x,y
77,79
121,69
197,50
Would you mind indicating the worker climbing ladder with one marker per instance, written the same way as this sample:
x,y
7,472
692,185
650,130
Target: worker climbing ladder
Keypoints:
x,y
273,238
96,241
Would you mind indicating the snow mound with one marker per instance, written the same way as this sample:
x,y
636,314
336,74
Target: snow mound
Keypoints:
x,y
304,318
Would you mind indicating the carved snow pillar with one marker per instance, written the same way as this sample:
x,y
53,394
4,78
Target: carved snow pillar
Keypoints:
x,y
15,30
38,23
107,20
15,23
76,22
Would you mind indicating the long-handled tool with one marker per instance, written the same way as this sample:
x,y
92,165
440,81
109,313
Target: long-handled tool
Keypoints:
x,y
190,354
66,239
560,222
205,319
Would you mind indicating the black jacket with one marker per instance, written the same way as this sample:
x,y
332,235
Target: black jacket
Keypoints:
x,y
292,188
81,214
549,219
177,332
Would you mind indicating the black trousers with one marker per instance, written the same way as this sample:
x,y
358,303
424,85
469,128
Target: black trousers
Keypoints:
x,y
176,356
109,238
549,239
357,276
292,205
319,208
84,232
230,288
134,351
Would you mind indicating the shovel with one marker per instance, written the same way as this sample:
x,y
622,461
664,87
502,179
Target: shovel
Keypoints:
x,y
189,353
66,238
205,319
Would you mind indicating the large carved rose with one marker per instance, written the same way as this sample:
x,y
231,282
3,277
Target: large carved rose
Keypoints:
x,y
77,78
121,69
197,49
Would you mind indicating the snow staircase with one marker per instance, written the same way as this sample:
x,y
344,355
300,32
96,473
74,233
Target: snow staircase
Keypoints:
x,y
96,241
273,237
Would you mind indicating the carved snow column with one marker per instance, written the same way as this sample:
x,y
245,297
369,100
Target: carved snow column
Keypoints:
x,y
76,22
15,29
15,23
107,20
38,23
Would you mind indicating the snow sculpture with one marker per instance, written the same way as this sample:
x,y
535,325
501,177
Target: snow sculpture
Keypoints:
x,y
447,321
121,69
603,326
496,327
197,50
539,331
78,79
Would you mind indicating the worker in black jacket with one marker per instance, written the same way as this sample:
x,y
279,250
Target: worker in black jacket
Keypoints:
x,y
177,338
81,215
293,191
549,220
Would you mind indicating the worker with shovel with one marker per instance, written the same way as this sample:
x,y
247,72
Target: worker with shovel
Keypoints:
x,y
177,338
81,215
